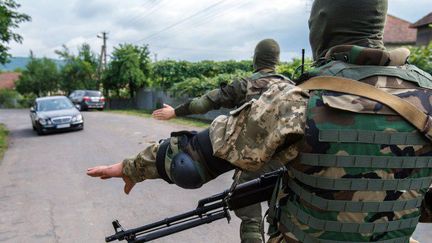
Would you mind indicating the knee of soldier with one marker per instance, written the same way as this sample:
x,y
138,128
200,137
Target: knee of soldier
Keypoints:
x,y
186,159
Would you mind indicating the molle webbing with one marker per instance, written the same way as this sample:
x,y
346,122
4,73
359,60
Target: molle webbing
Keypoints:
x,y
371,137
358,72
365,161
306,238
362,184
336,226
353,206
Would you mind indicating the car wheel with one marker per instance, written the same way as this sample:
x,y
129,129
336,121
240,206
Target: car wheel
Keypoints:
x,y
39,131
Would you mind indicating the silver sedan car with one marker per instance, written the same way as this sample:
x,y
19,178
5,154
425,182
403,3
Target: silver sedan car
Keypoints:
x,y
55,113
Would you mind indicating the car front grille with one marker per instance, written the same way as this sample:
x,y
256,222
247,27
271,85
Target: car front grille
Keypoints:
x,y
61,120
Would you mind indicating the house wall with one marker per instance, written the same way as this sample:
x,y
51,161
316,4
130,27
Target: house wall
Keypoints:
x,y
424,35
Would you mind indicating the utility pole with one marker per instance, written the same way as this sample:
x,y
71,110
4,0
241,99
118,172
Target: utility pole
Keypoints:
x,y
102,59
103,55
155,57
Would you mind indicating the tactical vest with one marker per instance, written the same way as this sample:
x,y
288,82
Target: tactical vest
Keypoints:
x,y
259,82
363,170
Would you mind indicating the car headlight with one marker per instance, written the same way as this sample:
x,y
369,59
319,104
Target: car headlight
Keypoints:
x,y
42,121
77,118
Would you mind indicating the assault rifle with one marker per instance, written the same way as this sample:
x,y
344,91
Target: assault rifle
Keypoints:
x,y
208,210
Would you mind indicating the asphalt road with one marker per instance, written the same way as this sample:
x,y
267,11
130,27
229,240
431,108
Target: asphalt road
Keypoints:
x,y
45,195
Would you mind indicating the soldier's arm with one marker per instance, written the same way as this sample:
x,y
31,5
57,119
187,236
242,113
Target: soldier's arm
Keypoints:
x,y
262,130
248,139
228,96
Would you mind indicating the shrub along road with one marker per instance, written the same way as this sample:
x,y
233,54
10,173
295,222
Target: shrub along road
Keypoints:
x,y
45,195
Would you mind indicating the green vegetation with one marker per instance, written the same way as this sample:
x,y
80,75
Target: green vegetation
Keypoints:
x,y
9,98
180,121
9,21
3,140
293,69
79,71
129,68
40,77
422,57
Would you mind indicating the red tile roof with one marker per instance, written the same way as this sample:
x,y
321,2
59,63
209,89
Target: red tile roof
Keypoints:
x,y
7,80
398,31
423,21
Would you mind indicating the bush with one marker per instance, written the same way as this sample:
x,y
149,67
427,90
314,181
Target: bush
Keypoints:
x,y
10,99
27,100
194,87
422,57
293,69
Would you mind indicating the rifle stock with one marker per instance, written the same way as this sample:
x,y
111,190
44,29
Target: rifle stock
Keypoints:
x,y
208,210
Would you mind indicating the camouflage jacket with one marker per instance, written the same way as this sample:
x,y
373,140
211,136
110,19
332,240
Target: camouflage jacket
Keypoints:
x,y
231,95
277,123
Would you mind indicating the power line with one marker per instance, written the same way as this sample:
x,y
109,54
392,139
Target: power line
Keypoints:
x,y
181,21
146,14
212,17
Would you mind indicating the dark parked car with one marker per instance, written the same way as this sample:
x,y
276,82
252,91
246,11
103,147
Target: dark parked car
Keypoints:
x,y
55,113
88,99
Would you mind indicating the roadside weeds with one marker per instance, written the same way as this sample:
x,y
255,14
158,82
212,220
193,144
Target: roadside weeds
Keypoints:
x,y
3,140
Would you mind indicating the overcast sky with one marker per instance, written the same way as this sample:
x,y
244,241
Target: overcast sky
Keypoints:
x,y
180,30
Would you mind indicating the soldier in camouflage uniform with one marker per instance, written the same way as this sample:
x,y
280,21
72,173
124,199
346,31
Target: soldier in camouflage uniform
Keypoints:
x,y
266,57
357,171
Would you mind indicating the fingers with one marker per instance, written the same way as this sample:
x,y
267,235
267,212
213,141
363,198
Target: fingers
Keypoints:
x,y
129,184
105,172
97,171
160,114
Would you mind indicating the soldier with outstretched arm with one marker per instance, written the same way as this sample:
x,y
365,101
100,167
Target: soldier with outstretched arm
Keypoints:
x,y
355,137
235,94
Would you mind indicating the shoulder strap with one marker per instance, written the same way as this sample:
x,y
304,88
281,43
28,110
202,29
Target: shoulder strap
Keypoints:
x,y
412,114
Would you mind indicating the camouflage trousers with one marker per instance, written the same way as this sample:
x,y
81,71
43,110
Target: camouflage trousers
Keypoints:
x,y
251,227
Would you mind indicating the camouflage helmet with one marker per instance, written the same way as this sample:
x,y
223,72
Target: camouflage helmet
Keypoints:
x,y
266,55
343,22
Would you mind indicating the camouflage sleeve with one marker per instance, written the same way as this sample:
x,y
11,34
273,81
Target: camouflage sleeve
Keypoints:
x,y
143,166
254,133
228,96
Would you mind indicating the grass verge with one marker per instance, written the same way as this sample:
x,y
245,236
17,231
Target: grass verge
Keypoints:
x,y
3,140
147,114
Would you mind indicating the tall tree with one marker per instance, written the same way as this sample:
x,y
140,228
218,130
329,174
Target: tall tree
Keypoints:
x,y
79,71
9,21
129,68
40,77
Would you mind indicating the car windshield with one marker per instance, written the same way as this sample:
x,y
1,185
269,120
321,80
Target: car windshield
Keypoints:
x,y
54,104
93,93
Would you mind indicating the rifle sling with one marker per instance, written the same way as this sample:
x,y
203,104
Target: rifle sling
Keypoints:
x,y
412,114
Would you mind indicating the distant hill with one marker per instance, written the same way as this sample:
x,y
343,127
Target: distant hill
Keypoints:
x,y
21,62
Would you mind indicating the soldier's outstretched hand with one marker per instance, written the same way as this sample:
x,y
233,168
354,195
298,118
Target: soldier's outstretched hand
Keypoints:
x,y
109,171
165,113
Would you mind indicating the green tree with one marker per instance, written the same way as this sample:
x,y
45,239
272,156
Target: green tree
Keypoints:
x,y
129,69
9,21
80,71
40,77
